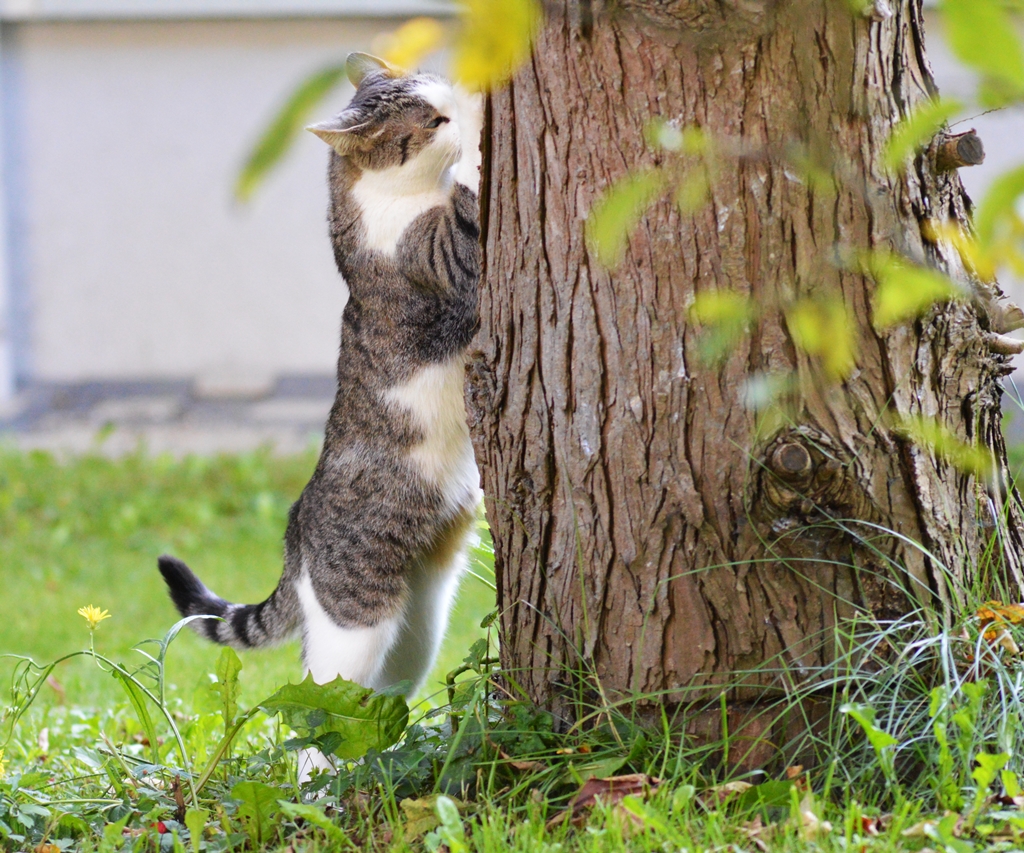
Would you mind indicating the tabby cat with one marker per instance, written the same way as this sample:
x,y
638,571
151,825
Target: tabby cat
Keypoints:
x,y
378,539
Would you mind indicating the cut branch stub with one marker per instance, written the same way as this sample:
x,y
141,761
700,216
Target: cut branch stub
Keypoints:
x,y
791,461
956,151
801,473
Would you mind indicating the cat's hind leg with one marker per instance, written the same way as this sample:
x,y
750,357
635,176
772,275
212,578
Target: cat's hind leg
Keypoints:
x,y
356,653
432,590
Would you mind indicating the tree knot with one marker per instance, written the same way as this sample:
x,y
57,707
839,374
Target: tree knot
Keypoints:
x,y
801,472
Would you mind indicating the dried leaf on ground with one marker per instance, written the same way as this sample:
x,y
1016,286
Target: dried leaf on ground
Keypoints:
x,y
609,791
720,793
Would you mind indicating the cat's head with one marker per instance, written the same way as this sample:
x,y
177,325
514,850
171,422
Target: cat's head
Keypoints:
x,y
408,122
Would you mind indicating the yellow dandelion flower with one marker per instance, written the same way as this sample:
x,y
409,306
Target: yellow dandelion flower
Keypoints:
x,y
93,615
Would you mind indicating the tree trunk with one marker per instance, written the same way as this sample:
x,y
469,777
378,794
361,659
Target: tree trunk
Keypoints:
x,y
651,528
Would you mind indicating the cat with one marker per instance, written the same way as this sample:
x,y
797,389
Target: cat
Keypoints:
x,y
377,542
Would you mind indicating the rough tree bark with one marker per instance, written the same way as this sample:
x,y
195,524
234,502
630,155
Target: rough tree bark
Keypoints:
x,y
643,527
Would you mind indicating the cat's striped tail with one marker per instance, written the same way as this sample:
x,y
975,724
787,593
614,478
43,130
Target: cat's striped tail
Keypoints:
x,y
244,626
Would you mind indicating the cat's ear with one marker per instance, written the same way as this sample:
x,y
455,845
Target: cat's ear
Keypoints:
x,y
341,134
358,65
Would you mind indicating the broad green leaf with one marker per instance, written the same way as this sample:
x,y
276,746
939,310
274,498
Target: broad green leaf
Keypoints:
x,y
928,432
617,213
195,820
312,814
258,809
366,720
823,328
138,699
228,668
407,45
916,130
494,39
289,121
982,34
904,291
998,212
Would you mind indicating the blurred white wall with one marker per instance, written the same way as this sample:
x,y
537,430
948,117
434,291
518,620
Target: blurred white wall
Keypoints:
x,y
126,256
130,257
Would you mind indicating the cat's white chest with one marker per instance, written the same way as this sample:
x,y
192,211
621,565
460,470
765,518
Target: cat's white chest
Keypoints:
x,y
389,201
434,398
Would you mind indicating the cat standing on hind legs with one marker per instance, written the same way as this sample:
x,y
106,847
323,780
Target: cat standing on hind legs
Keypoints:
x,y
378,539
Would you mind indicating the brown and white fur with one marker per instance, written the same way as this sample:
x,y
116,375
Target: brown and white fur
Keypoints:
x,y
377,541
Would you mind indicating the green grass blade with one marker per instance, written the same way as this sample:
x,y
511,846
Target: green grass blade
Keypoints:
x,y
138,700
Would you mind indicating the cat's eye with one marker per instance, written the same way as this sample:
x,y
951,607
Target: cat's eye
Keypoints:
x,y
437,122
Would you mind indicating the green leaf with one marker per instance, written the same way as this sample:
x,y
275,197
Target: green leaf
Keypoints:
x,y
195,820
259,807
823,328
450,832
988,767
618,212
865,717
905,291
289,121
315,816
997,214
636,807
693,190
494,39
228,668
983,35
775,793
138,699
972,459
916,130
1010,783
725,315
113,837
366,720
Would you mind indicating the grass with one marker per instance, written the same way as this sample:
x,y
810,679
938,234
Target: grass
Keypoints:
x,y
923,744
88,530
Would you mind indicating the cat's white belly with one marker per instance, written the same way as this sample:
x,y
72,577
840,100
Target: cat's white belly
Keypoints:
x,y
434,398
